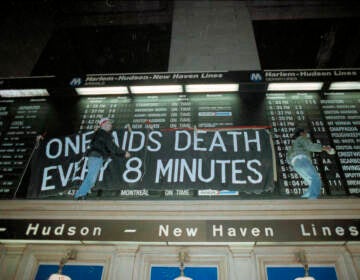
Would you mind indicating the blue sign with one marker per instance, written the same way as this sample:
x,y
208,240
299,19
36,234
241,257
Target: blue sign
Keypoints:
x,y
256,77
196,273
290,273
88,272
75,82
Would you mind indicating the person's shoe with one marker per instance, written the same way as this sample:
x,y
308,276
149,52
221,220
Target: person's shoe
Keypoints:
x,y
83,197
306,195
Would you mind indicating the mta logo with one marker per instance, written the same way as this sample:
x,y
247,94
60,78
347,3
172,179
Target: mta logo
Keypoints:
x,y
76,82
256,77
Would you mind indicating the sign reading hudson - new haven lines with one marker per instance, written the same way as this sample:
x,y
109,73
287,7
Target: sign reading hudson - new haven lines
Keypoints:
x,y
182,231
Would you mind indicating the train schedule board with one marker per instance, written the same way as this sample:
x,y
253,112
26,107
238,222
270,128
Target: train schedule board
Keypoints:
x,y
230,126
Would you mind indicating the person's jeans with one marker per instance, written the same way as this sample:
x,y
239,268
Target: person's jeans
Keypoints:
x,y
94,165
304,167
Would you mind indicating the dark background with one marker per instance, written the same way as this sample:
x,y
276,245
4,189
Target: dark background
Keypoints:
x,y
44,37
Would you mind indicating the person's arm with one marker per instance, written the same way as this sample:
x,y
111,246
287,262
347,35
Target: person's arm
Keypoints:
x,y
39,138
315,147
115,150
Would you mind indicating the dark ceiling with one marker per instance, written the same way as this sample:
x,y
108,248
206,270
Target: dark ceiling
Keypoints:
x,y
308,43
102,36
106,49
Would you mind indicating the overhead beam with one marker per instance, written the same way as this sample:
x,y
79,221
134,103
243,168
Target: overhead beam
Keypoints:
x,y
287,10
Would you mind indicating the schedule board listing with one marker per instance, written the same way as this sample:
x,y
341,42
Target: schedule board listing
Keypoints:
x,y
333,119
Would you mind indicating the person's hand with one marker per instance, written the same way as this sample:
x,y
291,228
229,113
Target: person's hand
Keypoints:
x,y
326,148
127,155
330,150
128,127
39,137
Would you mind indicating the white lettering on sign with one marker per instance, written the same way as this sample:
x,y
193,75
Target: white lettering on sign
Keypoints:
x,y
217,142
313,230
220,231
178,170
61,230
166,231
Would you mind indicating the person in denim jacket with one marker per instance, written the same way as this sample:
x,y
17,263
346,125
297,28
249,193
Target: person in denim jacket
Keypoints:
x,y
299,158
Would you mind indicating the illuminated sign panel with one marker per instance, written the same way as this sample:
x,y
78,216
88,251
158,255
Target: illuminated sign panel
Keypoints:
x,y
159,119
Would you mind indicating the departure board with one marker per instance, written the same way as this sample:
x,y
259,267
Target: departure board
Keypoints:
x,y
164,112
20,122
342,115
332,118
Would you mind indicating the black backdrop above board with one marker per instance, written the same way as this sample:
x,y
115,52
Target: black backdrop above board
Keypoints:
x,y
333,118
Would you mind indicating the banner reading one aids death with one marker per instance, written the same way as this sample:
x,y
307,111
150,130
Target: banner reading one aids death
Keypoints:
x,y
233,159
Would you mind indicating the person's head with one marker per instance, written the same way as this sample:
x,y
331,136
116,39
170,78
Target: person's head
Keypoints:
x,y
105,124
300,132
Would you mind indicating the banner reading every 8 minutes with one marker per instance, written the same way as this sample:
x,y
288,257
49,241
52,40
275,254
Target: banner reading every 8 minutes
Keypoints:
x,y
234,159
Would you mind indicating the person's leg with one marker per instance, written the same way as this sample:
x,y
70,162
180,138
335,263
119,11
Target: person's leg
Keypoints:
x,y
306,194
315,187
308,172
94,165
